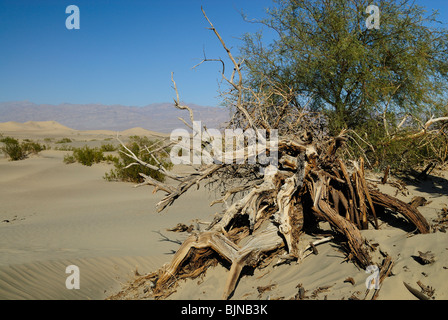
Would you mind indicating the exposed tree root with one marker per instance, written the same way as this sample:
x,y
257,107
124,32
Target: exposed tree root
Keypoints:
x,y
271,217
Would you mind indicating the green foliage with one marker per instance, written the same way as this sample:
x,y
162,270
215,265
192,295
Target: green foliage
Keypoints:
x,y
326,60
88,156
65,148
108,147
69,158
64,140
138,145
32,147
401,151
323,53
12,148
18,151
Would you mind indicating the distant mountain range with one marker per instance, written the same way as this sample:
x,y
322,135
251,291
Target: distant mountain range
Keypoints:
x,y
160,117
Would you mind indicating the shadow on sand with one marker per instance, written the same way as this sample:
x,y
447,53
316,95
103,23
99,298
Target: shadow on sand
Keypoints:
x,y
432,184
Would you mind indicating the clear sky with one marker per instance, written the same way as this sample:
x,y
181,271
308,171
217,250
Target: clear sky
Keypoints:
x,y
124,51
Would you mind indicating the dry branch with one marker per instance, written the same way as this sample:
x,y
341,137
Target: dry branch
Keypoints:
x,y
423,131
398,206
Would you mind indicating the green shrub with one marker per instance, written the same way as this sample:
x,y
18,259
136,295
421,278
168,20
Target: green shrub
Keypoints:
x,y
108,147
401,153
12,148
32,147
68,158
138,146
18,151
64,148
111,159
88,156
64,140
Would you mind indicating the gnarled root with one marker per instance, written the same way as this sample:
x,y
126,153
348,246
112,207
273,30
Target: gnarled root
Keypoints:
x,y
266,238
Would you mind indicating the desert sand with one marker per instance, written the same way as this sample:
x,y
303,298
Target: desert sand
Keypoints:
x,y
53,215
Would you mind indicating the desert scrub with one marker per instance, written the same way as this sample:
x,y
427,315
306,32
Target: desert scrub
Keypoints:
x,y
69,158
85,155
18,151
140,146
88,156
64,148
30,146
11,147
108,147
64,140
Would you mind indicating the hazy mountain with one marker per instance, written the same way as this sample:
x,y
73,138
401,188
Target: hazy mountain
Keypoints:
x,y
161,117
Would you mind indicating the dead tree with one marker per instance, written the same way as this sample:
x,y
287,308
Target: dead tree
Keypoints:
x,y
310,184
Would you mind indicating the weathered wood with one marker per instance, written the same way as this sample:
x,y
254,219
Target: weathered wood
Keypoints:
x,y
290,213
266,239
348,229
418,294
424,174
385,271
335,196
398,206
352,198
289,162
386,175
363,223
417,202
365,190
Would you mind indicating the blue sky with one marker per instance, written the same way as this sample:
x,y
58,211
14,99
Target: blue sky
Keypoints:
x,y
124,51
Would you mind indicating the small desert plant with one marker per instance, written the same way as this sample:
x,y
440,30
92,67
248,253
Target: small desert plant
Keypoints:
x,y
65,147
69,158
88,156
108,147
18,151
29,146
12,148
125,171
64,140
85,155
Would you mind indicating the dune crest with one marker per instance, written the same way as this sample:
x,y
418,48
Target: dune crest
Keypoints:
x,y
54,127
12,126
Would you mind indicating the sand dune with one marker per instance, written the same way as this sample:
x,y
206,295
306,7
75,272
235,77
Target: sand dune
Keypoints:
x,y
45,280
45,125
53,215
138,131
13,126
39,129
